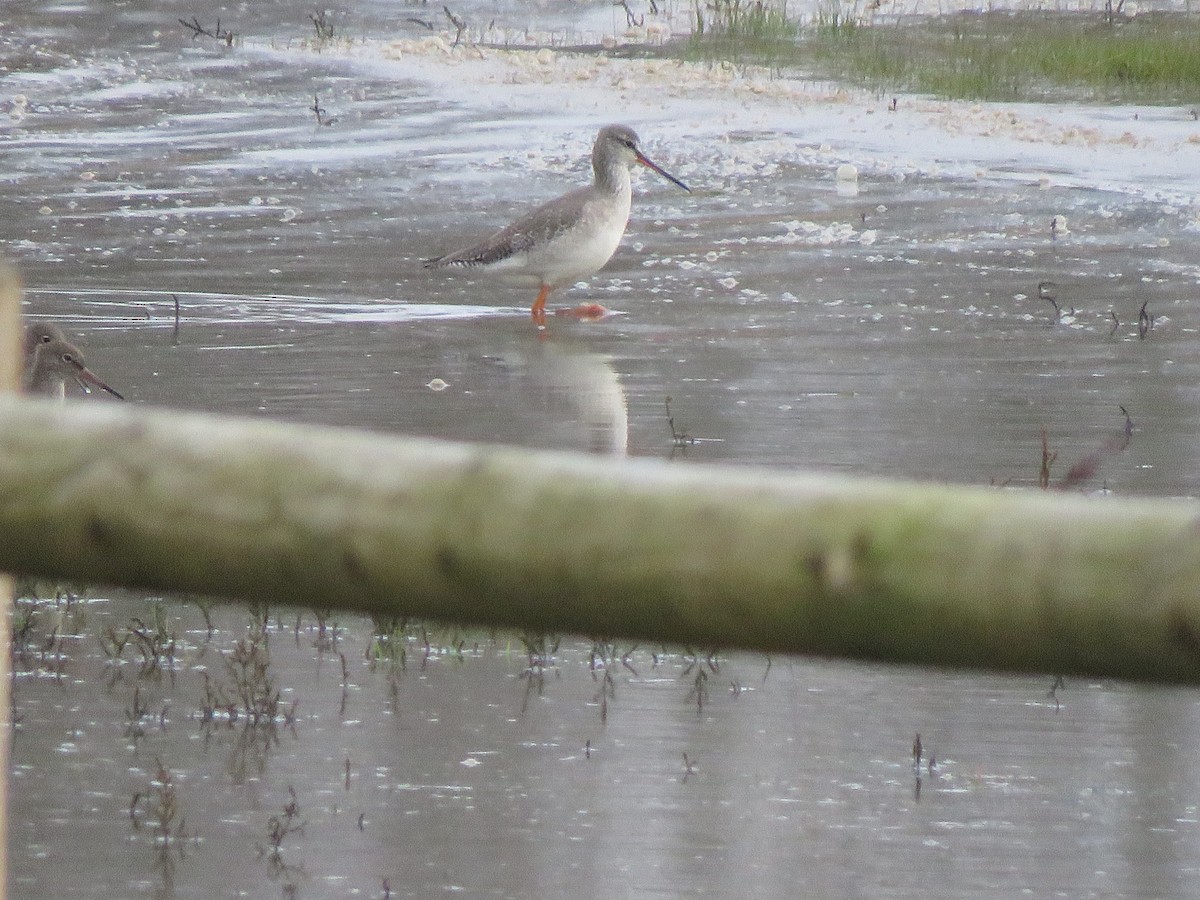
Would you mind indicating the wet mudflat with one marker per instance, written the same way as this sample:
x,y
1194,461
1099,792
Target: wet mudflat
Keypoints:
x,y
896,329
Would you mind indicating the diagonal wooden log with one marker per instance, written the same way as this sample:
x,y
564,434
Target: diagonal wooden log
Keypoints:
x,y
698,555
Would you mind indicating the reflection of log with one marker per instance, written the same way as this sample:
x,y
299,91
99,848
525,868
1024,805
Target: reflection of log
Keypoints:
x,y
698,555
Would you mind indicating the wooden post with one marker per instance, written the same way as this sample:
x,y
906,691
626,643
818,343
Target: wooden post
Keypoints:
x,y
705,556
11,365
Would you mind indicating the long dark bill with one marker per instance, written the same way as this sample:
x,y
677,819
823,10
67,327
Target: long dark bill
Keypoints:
x,y
85,377
660,170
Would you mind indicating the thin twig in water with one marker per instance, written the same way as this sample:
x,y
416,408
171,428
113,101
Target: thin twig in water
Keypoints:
x,y
689,767
1053,693
1145,322
680,439
631,20
197,29
460,25
320,111
1045,294
323,26
1116,323
1048,459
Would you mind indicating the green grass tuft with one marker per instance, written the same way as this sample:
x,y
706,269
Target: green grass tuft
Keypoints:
x,y
1153,58
727,29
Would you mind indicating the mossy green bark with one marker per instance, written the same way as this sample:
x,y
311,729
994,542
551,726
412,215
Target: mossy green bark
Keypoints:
x,y
706,556
11,362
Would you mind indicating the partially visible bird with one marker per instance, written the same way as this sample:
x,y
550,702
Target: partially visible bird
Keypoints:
x,y
39,332
55,362
570,237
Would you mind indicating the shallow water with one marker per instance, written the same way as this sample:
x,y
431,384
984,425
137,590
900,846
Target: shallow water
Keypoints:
x,y
467,769
895,331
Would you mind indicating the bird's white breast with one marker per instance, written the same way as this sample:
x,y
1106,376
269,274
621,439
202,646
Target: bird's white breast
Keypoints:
x,y
583,249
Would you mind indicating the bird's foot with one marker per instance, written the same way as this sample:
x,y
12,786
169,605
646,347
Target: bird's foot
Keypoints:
x,y
585,312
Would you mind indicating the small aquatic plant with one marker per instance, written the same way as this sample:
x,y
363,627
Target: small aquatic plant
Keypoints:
x,y
389,641
327,630
24,616
260,616
322,26
248,667
249,692
607,691
699,691
539,650
279,829
156,642
40,629
600,663
1087,466
281,826
158,807
135,713
701,666
680,438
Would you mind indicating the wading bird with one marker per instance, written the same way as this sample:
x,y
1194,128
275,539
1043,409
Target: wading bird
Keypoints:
x,y
572,236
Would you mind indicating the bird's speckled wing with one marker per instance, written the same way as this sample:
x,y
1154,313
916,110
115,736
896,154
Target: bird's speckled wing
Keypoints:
x,y
539,226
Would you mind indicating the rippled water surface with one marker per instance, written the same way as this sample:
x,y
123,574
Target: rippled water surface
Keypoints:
x,y
892,330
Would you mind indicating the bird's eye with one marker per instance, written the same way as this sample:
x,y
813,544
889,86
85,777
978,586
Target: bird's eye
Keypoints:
x,y
46,339
66,357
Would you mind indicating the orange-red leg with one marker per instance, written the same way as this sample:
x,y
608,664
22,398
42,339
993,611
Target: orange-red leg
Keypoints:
x,y
539,305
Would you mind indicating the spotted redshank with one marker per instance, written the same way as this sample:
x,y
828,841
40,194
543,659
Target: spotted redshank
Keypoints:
x,y
55,362
570,237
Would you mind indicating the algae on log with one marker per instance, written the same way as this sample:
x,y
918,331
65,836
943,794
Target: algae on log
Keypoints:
x,y
700,555
11,363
